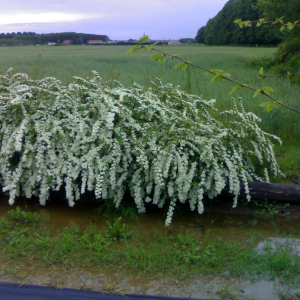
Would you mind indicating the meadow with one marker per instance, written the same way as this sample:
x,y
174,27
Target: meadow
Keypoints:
x,y
111,63
100,240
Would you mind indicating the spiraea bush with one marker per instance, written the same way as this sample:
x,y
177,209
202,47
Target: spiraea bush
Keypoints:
x,y
160,143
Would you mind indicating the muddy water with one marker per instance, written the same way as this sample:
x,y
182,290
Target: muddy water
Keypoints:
x,y
229,225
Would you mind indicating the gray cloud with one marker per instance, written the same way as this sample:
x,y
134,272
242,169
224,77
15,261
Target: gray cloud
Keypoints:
x,y
121,19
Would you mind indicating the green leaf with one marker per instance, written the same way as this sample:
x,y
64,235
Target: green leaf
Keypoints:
x,y
248,24
258,24
267,90
235,89
144,39
149,47
261,71
162,59
278,20
183,67
256,93
264,104
276,105
269,105
262,20
207,73
152,45
237,21
282,28
226,75
217,71
216,77
177,66
132,50
156,57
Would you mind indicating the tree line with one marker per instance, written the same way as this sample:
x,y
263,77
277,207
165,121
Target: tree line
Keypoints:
x,y
221,29
32,38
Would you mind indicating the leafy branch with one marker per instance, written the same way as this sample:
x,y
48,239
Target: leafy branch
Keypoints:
x,y
261,75
284,26
218,75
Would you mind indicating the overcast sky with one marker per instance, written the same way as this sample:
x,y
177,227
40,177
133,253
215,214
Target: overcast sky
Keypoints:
x,y
118,19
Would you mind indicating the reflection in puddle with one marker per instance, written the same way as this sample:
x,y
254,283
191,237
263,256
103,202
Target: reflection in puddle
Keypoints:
x,y
273,243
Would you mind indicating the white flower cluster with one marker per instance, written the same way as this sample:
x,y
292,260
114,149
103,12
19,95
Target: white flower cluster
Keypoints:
x,y
160,143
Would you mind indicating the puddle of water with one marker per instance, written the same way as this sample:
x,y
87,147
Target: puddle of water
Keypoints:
x,y
273,243
229,227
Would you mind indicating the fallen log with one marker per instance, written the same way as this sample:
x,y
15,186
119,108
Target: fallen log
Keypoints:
x,y
271,191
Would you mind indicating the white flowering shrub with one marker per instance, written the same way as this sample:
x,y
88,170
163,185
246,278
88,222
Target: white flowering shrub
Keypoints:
x,y
160,143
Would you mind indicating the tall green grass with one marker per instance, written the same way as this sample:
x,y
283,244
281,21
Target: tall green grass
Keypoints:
x,y
183,255
112,63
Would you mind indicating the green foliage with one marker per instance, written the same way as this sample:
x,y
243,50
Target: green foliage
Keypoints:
x,y
187,41
287,59
190,251
27,217
125,209
32,38
182,66
285,62
265,61
288,157
16,214
118,231
221,29
184,255
269,210
218,74
111,63
113,139
274,9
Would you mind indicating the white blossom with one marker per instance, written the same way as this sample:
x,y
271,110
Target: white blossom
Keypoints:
x,y
159,143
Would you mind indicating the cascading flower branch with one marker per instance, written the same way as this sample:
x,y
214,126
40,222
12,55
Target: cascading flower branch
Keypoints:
x,y
160,143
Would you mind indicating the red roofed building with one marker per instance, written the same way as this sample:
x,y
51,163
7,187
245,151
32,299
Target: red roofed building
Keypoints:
x,y
67,42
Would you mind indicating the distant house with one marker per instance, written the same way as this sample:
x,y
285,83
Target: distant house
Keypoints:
x,y
51,44
95,42
67,42
173,42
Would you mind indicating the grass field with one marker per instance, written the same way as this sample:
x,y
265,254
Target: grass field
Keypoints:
x,y
112,63
216,244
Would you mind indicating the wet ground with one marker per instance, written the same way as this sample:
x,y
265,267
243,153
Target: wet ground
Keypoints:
x,y
222,221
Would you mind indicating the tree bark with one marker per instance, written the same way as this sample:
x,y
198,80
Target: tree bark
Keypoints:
x,y
271,191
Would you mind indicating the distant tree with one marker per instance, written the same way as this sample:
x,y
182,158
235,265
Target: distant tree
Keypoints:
x,y
28,38
221,29
187,41
200,35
